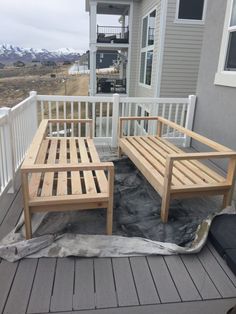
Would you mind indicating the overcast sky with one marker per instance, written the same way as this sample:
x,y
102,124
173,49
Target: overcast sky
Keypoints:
x,y
49,24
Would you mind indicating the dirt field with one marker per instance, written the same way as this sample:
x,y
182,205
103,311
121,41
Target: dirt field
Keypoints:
x,y
16,83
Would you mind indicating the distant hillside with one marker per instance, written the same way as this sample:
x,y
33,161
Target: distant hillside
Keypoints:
x,y
10,54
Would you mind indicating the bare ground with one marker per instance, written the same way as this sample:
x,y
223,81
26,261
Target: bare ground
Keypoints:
x,y
15,84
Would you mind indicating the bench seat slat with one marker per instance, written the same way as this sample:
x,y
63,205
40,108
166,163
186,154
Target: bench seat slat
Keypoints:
x,y
204,169
75,175
88,175
49,176
186,167
101,177
155,152
151,174
62,176
36,177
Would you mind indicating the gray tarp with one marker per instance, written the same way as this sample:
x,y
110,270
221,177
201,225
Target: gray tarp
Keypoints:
x,y
137,230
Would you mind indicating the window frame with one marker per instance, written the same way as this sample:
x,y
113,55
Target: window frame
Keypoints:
x,y
190,21
222,76
146,49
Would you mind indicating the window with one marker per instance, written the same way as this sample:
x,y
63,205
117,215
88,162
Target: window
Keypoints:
x,y
190,11
147,44
226,73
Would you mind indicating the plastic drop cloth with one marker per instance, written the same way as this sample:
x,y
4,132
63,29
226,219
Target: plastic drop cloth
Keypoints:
x,y
137,227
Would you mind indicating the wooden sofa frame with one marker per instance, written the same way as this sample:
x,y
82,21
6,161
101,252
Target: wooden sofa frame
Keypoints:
x,y
89,186
174,173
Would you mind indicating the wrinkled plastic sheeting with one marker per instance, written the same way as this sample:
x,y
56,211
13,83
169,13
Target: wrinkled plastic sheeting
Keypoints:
x,y
137,228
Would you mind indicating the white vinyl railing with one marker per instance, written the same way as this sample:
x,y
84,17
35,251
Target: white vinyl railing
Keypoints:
x,y
19,124
17,129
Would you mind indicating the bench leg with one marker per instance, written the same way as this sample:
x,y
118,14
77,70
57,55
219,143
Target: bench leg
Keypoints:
x,y
119,152
28,226
227,199
165,204
109,218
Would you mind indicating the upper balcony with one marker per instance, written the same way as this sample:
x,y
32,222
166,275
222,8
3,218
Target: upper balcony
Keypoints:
x,y
113,34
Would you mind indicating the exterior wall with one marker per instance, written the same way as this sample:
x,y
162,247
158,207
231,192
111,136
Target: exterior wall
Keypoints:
x,y
182,50
216,108
140,10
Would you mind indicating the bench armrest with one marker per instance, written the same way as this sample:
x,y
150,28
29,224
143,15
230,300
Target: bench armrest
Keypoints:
x,y
67,167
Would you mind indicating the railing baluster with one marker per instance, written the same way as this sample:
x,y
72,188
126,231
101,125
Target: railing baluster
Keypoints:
x,y
129,115
50,116
107,119
64,116
42,109
169,118
100,119
135,122
72,117
79,117
86,117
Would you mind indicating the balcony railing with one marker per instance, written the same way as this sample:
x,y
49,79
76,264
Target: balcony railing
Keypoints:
x,y
113,34
19,124
111,86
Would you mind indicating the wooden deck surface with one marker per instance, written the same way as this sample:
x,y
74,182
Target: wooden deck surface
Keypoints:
x,y
200,283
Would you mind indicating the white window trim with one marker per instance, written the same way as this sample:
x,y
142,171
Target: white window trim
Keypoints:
x,y
146,49
185,21
222,77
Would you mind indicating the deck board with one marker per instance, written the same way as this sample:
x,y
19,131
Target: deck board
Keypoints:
x,y
125,287
143,280
42,286
104,283
183,281
20,291
62,294
84,294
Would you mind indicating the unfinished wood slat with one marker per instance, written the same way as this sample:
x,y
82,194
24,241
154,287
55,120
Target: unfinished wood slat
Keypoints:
x,y
104,283
84,295
63,285
36,177
143,280
180,167
101,177
198,164
42,288
88,175
125,287
146,168
178,177
32,152
48,177
75,175
62,176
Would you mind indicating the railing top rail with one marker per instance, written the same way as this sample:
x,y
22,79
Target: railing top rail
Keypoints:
x,y
108,26
74,98
151,100
20,104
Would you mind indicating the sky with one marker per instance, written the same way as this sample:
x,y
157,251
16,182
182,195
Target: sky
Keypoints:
x,y
49,24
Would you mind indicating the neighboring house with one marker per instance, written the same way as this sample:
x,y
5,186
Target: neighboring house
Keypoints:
x,y
215,115
106,58
19,64
161,39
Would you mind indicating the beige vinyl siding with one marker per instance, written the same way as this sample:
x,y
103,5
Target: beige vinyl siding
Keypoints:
x,y
182,51
140,10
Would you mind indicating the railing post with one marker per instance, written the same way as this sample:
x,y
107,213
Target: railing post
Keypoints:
x,y
34,109
190,118
9,147
115,119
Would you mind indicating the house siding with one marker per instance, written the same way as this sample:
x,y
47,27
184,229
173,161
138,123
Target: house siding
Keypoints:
x,y
140,10
182,50
215,115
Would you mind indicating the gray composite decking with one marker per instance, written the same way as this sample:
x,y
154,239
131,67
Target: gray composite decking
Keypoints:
x,y
199,283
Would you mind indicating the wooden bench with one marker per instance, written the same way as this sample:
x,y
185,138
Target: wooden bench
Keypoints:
x,y
65,173
174,173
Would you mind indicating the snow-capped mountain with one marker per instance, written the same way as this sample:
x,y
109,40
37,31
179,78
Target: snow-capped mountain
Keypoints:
x,y
10,53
